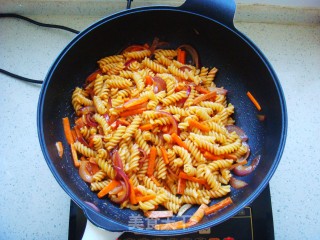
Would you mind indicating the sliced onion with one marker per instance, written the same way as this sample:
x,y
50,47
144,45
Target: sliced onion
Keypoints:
x,y
125,184
245,170
185,68
87,110
183,209
239,131
127,63
173,121
181,102
83,172
91,122
237,184
134,48
144,156
116,190
117,159
93,206
193,53
220,91
158,84
245,157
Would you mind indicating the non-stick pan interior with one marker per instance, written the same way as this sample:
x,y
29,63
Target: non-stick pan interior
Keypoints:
x,y
241,69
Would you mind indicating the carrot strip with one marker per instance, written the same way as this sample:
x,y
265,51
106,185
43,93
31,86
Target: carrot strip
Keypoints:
x,y
181,185
104,191
164,155
132,112
199,214
149,80
145,198
158,214
135,102
225,202
93,75
170,226
152,161
253,100
67,130
146,127
123,122
178,141
74,156
198,125
132,196
155,181
79,122
204,97
201,89
214,157
181,56
59,147
190,178
74,134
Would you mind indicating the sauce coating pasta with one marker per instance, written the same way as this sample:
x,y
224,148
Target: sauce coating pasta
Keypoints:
x,y
160,124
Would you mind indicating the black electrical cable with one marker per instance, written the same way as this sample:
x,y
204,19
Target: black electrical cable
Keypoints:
x,y
129,4
13,15
20,77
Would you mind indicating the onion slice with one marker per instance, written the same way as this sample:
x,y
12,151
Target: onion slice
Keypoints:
x,y
173,121
84,173
93,206
246,170
90,121
237,184
193,53
125,184
239,131
158,84
220,91
87,110
183,209
181,102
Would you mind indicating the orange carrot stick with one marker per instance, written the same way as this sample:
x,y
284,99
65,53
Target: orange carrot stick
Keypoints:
x,y
132,112
254,101
155,181
198,125
225,202
190,178
146,127
93,75
201,89
170,226
204,97
67,130
59,147
152,161
145,198
178,141
158,214
198,215
181,57
104,191
74,156
135,102
149,80
164,155
181,185
132,196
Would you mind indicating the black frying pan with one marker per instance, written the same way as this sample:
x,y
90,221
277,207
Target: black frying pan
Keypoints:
x,y
206,25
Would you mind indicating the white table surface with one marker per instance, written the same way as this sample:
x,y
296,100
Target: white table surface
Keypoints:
x,y
32,204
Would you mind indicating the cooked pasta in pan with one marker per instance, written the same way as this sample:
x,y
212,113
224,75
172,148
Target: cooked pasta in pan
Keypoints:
x,y
152,130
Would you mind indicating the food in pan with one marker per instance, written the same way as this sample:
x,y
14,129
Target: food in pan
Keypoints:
x,y
153,129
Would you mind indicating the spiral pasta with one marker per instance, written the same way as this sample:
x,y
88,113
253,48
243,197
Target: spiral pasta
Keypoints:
x,y
133,107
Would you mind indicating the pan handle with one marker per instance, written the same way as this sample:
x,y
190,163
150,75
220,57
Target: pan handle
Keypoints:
x,y
222,11
97,220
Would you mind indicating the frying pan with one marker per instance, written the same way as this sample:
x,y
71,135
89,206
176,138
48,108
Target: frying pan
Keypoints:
x,y
208,26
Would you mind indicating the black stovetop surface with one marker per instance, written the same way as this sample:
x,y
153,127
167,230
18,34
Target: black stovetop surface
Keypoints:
x,y
254,222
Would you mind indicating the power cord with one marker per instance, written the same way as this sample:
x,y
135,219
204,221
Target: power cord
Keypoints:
x,y
13,15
